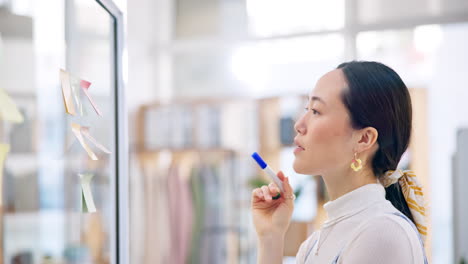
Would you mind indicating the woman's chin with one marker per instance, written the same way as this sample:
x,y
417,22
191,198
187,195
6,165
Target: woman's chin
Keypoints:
x,y
299,168
305,169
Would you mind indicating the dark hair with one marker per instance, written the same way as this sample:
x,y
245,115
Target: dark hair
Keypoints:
x,y
377,97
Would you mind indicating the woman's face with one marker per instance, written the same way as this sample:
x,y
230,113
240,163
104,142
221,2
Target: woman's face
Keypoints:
x,y
324,133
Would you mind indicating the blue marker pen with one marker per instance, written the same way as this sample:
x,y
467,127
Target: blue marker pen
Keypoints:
x,y
269,172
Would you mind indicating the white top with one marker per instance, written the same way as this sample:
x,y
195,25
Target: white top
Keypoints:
x,y
363,227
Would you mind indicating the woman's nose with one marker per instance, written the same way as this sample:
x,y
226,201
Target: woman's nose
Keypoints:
x,y
299,126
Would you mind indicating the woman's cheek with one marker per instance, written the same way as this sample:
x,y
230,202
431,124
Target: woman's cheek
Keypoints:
x,y
325,131
328,138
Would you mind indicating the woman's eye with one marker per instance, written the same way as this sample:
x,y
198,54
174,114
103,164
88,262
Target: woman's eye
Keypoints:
x,y
315,112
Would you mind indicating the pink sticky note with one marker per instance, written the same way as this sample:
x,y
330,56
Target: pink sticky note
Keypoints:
x,y
85,86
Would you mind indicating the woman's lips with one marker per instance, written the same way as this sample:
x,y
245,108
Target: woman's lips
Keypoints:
x,y
298,149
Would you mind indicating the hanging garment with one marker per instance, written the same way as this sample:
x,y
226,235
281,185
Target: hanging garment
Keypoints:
x,y
158,237
198,194
181,214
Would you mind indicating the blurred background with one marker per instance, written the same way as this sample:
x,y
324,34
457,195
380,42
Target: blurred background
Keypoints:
x,y
207,83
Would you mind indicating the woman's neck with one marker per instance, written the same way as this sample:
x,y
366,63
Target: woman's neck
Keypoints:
x,y
339,184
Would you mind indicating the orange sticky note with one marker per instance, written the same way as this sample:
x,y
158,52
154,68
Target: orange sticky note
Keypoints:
x,y
77,131
85,132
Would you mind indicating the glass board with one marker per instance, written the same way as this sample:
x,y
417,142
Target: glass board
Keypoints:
x,y
61,132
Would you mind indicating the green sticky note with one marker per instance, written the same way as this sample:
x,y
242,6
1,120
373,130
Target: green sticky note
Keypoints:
x,y
84,208
87,201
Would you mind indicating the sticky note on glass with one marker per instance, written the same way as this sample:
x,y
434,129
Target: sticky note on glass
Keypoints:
x,y
77,131
4,149
83,132
76,93
87,201
85,87
8,109
67,92
72,87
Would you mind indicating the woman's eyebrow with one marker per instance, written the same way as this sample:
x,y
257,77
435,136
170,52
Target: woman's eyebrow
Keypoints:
x,y
316,98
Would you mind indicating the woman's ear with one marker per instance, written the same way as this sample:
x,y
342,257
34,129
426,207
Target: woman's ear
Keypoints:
x,y
367,138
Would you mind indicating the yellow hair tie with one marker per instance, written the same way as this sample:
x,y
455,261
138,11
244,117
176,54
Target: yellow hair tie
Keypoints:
x,y
412,191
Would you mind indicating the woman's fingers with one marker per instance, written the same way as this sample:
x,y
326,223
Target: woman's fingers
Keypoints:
x,y
288,190
287,187
257,194
273,189
266,193
281,176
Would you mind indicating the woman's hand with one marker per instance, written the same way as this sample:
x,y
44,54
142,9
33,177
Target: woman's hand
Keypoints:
x,y
272,217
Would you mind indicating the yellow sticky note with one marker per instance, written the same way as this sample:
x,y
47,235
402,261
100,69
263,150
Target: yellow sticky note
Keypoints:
x,y
75,90
77,131
4,149
8,109
67,92
87,200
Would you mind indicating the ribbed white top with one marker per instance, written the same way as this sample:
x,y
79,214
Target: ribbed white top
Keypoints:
x,y
362,227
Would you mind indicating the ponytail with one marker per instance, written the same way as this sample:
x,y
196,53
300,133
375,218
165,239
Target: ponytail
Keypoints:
x,y
396,197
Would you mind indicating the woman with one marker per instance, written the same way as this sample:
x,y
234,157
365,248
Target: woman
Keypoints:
x,y
356,127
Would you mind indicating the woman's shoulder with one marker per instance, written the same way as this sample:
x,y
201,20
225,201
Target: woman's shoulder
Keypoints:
x,y
393,224
306,246
386,218
386,235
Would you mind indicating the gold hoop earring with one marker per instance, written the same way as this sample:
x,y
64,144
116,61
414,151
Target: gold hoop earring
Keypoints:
x,y
358,166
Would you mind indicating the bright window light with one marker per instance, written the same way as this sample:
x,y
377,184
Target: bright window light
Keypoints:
x,y
279,17
252,64
427,38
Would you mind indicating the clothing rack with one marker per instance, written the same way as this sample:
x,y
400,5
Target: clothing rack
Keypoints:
x,y
220,223
221,229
